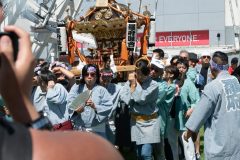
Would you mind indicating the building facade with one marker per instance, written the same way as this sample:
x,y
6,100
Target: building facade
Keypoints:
x,y
195,25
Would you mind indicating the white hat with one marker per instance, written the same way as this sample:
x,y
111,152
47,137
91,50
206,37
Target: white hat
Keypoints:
x,y
157,63
206,54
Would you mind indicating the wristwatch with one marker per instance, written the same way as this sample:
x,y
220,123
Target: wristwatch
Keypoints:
x,y
41,123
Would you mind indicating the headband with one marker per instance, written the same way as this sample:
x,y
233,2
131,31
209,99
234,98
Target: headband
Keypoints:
x,y
59,64
106,74
91,69
157,63
218,67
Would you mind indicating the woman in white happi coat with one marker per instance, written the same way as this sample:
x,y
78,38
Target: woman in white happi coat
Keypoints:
x,y
141,93
92,116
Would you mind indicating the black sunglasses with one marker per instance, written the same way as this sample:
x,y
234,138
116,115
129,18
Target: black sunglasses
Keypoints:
x,y
91,74
208,57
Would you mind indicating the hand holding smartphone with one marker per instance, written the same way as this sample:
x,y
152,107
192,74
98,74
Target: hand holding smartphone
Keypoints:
x,y
14,38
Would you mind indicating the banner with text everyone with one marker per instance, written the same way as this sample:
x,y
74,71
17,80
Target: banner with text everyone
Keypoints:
x,y
179,38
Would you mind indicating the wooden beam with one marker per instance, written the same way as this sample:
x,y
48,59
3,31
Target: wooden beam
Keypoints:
x,y
101,3
126,68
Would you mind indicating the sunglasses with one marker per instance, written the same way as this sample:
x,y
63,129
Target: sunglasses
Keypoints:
x,y
91,74
208,57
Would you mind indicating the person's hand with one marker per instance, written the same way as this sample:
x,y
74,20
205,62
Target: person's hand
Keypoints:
x,y
90,103
16,76
80,109
188,133
61,73
189,112
132,79
22,69
56,70
177,92
185,136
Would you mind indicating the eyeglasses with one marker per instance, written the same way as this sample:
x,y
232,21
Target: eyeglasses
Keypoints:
x,y
91,74
208,57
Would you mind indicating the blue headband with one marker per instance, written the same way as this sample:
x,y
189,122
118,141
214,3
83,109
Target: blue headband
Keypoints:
x,y
91,69
218,67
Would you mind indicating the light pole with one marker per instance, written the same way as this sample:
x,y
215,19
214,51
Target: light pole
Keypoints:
x,y
140,6
218,38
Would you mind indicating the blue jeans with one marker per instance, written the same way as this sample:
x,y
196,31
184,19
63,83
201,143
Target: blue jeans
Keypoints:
x,y
144,151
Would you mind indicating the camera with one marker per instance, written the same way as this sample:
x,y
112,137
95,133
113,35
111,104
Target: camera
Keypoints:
x,y
14,38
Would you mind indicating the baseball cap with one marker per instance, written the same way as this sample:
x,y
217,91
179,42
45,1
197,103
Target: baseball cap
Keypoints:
x,y
193,57
234,60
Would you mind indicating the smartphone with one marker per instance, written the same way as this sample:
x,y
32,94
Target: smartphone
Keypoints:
x,y
14,38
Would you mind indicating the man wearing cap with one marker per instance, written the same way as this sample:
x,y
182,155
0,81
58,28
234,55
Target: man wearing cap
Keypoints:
x,y
204,70
156,73
192,71
219,111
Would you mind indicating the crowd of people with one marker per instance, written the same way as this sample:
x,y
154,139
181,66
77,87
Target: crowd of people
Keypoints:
x,y
161,100
165,105
26,135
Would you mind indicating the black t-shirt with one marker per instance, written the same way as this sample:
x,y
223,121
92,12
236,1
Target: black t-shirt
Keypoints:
x,y
15,141
204,73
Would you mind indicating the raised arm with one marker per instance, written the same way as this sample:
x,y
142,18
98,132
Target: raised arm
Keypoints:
x,y
16,77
